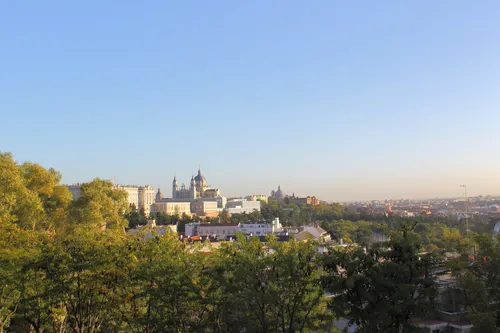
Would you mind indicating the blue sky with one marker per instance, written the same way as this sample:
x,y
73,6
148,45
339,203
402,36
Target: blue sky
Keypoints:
x,y
340,99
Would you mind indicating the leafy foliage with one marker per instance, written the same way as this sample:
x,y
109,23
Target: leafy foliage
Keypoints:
x,y
383,289
481,283
69,266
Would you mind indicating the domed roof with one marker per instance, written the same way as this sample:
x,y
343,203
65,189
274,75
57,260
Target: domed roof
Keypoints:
x,y
279,192
200,178
159,195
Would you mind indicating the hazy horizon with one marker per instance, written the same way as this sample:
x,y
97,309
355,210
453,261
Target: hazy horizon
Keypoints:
x,y
348,191
344,101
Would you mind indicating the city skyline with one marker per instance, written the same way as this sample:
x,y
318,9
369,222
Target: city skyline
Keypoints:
x,y
344,101
333,196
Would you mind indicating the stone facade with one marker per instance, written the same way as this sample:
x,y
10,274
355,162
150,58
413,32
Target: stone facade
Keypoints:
x,y
171,207
141,197
146,198
257,197
313,201
198,188
202,207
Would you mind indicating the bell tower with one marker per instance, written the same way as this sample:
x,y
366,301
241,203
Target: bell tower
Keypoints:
x,y
175,188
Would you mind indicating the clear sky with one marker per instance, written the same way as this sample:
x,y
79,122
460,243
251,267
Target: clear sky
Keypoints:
x,y
343,100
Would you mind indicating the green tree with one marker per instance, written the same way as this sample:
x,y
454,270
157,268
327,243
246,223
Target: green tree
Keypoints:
x,y
383,289
29,194
17,247
166,288
481,283
99,206
135,217
74,283
268,288
161,218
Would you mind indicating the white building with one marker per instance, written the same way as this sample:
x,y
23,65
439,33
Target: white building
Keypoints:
x,y
75,190
257,197
132,194
146,198
221,201
171,207
260,229
314,230
255,229
142,197
211,229
191,229
198,188
202,207
238,206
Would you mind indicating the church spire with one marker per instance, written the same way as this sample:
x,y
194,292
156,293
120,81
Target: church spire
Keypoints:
x,y
175,187
159,195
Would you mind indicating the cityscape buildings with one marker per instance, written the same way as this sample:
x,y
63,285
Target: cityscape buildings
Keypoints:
x,y
196,199
231,229
281,196
257,197
171,207
239,206
198,188
141,197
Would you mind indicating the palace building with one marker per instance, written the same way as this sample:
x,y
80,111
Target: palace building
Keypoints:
x,y
198,188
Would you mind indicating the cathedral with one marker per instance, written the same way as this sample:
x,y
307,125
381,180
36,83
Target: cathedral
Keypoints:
x,y
198,188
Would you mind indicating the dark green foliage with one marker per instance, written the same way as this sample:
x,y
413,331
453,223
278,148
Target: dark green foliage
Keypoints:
x,y
68,266
136,218
481,283
382,289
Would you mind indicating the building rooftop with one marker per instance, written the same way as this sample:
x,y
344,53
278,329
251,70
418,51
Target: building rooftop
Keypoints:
x,y
218,224
303,236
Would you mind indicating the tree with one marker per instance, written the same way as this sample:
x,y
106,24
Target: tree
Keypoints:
x,y
73,283
166,290
26,191
268,288
383,289
99,206
17,246
135,217
161,218
481,283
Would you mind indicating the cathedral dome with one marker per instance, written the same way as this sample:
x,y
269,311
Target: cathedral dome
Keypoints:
x,y
279,193
200,179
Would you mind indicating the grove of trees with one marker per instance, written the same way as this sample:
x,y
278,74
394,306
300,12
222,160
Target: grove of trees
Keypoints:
x,y
70,266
